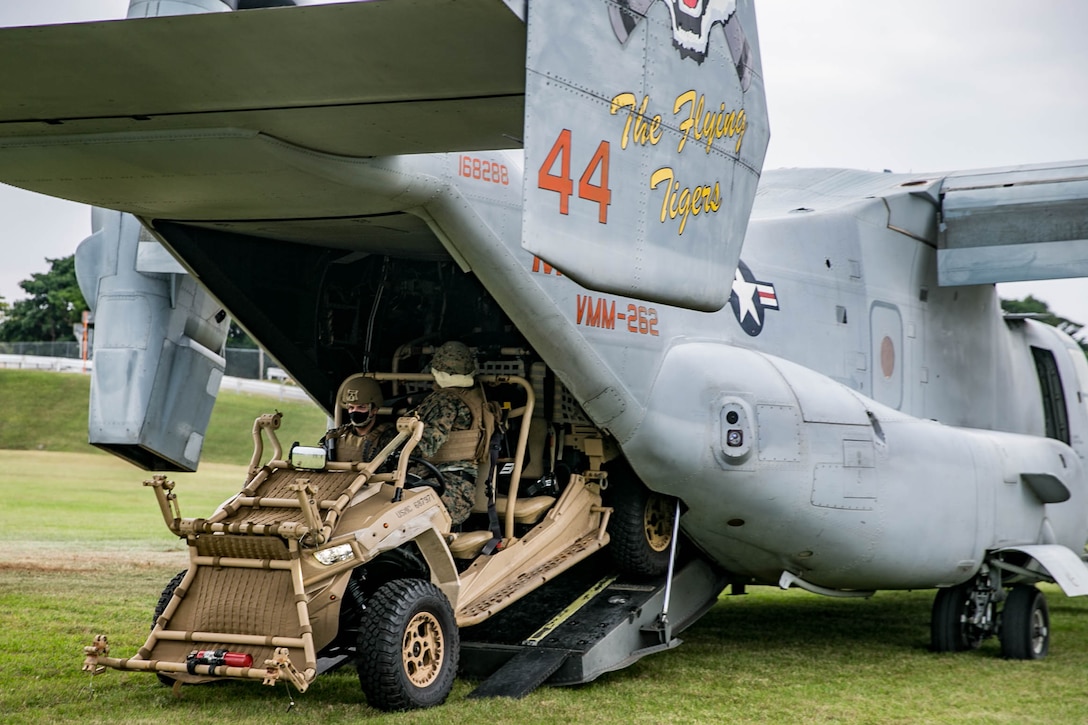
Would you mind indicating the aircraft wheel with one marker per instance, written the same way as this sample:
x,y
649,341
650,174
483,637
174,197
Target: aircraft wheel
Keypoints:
x,y
1025,624
160,607
948,626
409,646
641,528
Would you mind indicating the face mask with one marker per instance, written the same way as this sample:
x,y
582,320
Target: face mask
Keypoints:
x,y
450,380
359,418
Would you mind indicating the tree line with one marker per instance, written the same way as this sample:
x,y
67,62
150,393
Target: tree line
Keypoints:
x,y
54,304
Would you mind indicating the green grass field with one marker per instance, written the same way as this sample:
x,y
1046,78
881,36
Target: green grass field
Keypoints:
x,y
42,411
83,550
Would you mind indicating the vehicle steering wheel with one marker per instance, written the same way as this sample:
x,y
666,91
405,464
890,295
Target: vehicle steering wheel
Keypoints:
x,y
436,480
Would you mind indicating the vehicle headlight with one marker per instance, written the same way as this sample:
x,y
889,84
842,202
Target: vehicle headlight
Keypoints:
x,y
335,554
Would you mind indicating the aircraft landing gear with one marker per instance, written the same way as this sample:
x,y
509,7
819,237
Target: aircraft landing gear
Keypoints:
x,y
966,614
1025,624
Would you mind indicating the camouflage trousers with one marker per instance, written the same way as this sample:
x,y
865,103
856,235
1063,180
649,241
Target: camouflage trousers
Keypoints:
x,y
460,493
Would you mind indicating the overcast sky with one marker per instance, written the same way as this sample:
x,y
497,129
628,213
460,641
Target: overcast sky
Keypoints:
x,y
905,85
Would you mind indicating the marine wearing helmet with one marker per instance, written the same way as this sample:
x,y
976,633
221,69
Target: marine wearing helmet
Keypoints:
x,y
357,438
454,418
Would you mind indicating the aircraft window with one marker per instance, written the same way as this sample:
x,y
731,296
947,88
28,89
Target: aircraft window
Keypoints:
x,y
1050,385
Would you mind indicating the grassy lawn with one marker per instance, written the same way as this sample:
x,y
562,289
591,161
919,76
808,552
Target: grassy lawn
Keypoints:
x,y
83,550
45,411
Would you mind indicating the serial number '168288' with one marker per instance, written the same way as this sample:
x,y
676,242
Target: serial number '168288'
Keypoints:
x,y
472,167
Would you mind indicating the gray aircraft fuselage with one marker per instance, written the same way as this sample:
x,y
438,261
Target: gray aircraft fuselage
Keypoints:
x,y
877,412
858,415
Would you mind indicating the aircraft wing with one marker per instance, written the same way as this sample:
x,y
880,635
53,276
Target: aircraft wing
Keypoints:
x,y
1014,224
169,116
260,121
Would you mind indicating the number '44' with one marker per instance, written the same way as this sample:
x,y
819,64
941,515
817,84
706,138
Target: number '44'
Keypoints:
x,y
563,184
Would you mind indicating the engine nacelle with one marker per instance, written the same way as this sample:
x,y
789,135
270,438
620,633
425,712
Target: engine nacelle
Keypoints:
x,y
784,469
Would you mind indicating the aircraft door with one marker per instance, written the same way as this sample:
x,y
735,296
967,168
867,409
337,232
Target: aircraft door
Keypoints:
x,y
1078,413
886,354
1055,411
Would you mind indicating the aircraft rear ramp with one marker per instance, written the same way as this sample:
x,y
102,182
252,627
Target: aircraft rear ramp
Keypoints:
x,y
585,623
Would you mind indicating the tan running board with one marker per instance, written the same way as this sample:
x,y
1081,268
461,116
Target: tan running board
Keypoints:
x,y
490,602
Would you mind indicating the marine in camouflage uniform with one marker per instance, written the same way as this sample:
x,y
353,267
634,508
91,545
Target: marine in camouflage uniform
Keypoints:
x,y
453,418
349,446
358,439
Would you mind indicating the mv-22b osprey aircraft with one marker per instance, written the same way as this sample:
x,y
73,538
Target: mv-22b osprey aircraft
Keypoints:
x,y
809,370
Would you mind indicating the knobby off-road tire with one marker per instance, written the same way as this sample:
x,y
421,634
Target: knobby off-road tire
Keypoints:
x,y
409,646
160,607
1025,624
640,529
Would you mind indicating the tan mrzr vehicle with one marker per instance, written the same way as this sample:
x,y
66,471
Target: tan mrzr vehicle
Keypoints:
x,y
315,562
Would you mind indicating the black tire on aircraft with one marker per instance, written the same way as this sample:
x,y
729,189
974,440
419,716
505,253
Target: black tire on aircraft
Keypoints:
x,y
408,646
640,528
1025,624
947,630
160,607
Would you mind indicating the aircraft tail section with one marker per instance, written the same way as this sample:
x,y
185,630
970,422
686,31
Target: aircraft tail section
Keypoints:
x,y
645,132
643,124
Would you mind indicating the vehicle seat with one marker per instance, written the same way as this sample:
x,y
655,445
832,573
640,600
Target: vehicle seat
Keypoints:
x,y
535,447
527,510
467,545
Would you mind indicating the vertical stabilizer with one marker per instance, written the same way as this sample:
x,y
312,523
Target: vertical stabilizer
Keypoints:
x,y
159,343
157,348
645,132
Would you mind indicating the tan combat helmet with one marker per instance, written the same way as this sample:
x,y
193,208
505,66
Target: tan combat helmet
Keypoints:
x,y
361,391
358,390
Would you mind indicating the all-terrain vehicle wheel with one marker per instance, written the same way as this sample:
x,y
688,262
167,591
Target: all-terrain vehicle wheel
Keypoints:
x,y
160,607
409,646
641,528
1025,624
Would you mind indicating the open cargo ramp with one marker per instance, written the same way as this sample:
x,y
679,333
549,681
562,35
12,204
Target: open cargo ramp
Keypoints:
x,y
585,623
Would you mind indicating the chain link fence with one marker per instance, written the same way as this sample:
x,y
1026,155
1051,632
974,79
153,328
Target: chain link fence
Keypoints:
x,y
249,363
42,349
241,362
